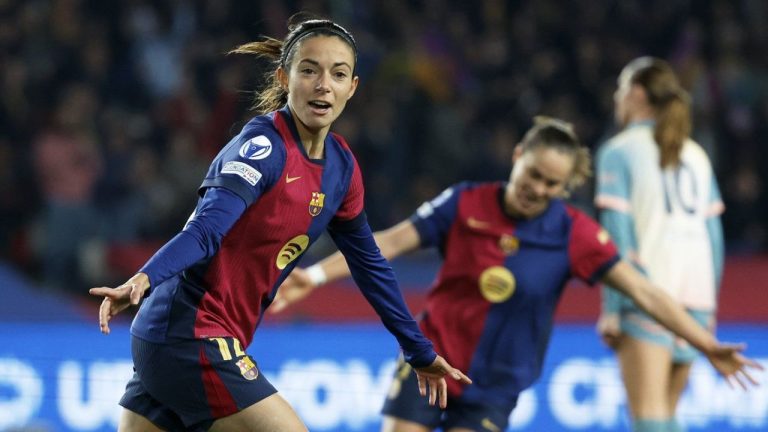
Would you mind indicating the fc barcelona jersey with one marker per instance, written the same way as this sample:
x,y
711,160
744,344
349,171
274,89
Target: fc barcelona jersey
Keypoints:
x,y
490,309
290,200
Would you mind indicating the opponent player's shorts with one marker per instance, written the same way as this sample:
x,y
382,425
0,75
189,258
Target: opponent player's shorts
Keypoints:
x,y
404,402
186,386
641,326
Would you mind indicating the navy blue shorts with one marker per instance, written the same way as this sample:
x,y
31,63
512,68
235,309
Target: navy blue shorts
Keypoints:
x,y
186,386
405,402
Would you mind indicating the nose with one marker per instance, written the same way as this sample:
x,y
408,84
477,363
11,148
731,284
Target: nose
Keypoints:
x,y
322,84
539,188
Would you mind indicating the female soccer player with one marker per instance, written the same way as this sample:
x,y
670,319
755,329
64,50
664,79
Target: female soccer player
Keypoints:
x,y
660,202
268,195
508,251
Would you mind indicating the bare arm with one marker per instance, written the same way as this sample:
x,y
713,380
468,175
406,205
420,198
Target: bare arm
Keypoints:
x,y
392,242
726,358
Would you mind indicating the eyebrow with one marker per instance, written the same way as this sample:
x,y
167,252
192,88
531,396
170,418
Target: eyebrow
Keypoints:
x,y
316,63
548,179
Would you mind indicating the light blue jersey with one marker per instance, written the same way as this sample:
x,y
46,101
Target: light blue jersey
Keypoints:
x,y
666,221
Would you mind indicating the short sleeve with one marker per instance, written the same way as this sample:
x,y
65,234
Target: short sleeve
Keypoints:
x,y
613,180
715,205
434,218
590,249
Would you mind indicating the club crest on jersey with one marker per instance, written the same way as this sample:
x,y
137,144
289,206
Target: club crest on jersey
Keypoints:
x,y
316,203
509,244
248,369
292,250
497,284
256,148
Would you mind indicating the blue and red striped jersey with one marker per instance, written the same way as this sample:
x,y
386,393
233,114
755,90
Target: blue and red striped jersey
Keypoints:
x,y
490,309
290,201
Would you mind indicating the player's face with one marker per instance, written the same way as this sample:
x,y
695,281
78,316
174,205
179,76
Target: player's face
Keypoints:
x,y
538,176
320,81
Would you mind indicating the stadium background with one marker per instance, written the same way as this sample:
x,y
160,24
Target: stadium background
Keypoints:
x,y
111,110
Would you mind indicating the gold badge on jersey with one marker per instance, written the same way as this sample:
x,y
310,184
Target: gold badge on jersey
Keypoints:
x,y
292,250
316,203
509,244
247,368
497,284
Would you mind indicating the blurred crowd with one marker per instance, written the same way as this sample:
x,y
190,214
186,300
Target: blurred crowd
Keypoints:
x,y
110,111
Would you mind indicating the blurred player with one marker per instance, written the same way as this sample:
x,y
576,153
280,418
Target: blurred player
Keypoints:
x,y
508,251
660,202
268,195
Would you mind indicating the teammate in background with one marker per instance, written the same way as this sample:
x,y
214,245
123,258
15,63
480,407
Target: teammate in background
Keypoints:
x,y
268,195
658,198
508,251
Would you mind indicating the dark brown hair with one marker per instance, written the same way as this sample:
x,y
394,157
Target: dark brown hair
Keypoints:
x,y
281,52
670,102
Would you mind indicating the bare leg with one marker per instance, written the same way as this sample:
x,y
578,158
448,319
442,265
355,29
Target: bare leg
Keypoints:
x,y
677,382
645,370
272,414
132,422
394,424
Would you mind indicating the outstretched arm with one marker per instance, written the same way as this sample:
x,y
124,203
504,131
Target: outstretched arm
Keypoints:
x,y
217,211
392,242
726,358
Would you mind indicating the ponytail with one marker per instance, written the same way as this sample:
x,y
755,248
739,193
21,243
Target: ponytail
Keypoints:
x,y
671,105
673,126
273,96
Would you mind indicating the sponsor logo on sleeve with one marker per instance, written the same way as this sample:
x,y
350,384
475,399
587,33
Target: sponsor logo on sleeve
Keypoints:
x,y
247,172
256,148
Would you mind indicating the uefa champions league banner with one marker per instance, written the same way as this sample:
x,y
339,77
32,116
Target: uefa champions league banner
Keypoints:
x,y
69,377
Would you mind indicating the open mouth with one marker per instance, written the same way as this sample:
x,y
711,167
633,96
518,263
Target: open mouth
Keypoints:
x,y
320,105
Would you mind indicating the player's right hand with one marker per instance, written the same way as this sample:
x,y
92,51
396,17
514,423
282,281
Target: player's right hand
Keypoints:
x,y
609,329
119,298
294,288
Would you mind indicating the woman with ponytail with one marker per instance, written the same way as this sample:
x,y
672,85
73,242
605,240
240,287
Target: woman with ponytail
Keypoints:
x,y
659,200
268,195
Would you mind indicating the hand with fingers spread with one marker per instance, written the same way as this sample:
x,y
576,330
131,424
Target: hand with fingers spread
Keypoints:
x,y
432,379
732,364
119,298
297,286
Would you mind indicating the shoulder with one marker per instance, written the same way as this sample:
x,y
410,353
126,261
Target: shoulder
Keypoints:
x,y
259,140
694,151
583,225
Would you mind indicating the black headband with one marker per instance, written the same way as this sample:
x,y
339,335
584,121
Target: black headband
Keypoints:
x,y
317,26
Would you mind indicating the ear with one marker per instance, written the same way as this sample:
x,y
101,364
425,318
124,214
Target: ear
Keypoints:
x,y
282,78
355,82
638,95
517,153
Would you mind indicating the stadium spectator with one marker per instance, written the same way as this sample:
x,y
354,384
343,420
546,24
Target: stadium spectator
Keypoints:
x,y
508,250
267,196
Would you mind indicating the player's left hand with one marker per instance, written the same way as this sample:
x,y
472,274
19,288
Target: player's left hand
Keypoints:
x,y
432,379
733,365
